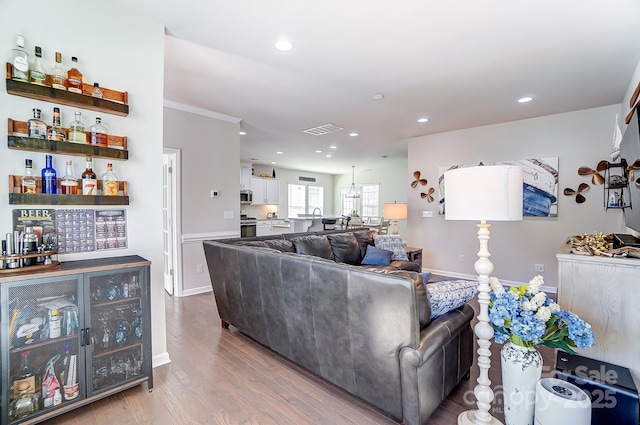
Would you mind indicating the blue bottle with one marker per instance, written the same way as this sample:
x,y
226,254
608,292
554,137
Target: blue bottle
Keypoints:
x,y
49,177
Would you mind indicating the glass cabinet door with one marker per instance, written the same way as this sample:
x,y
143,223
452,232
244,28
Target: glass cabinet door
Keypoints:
x,y
42,345
116,312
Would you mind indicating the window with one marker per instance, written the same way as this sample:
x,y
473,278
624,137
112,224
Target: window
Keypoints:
x,y
304,199
368,205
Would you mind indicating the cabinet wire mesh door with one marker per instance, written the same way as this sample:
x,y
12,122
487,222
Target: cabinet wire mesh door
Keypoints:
x,y
44,357
118,318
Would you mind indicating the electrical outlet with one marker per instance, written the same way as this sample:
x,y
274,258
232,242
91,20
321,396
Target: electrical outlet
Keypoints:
x,y
199,268
461,258
215,194
425,213
538,268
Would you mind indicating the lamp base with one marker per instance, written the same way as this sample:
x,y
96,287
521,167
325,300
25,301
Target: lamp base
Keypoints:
x,y
469,418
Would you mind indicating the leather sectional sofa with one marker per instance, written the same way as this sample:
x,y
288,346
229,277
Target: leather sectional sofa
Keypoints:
x,y
367,330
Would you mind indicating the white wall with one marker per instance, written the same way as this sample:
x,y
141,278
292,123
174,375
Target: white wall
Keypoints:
x,y
210,154
121,52
577,138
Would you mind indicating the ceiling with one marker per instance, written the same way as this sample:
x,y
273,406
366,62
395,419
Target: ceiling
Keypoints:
x,y
461,64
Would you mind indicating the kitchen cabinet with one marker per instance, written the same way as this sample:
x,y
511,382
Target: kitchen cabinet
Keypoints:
x,y
84,328
273,227
265,191
245,178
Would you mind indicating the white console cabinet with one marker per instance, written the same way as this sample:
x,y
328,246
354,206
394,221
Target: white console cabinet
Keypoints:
x,y
604,292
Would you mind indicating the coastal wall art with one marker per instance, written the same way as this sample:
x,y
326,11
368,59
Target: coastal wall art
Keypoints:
x,y
540,187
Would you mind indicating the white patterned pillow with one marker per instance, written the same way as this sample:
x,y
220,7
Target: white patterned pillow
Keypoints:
x,y
392,243
450,294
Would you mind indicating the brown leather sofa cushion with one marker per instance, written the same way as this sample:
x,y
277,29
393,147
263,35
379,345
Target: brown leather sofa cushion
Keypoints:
x,y
365,238
316,245
282,245
345,248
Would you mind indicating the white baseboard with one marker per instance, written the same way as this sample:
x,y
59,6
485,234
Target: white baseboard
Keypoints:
x,y
547,289
196,291
161,359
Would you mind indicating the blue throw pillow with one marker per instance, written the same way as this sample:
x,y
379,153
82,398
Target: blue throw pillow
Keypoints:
x,y
450,294
392,243
425,276
377,256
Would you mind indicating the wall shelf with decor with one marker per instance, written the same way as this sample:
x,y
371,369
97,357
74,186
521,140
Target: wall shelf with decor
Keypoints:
x,y
616,186
16,198
112,101
15,140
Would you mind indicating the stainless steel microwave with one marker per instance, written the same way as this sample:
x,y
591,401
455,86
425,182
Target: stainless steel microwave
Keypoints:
x,y
246,196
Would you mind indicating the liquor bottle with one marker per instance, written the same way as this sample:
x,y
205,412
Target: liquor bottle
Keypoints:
x,y
58,76
69,183
110,182
74,77
98,133
76,129
28,181
49,177
56,133
96,91
20,61
36,127
37,74
25,380
89,182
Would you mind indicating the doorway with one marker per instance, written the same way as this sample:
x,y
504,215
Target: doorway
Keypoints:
x,y
172,251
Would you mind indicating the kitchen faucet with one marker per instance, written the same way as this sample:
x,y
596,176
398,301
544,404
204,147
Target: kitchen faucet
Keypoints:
x,y
314,211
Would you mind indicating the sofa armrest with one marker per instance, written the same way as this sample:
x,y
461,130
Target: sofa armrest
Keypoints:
x,y
430,371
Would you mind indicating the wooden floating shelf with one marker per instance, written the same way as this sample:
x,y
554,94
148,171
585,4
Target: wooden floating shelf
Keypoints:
x,y
20,129
112,101
16,198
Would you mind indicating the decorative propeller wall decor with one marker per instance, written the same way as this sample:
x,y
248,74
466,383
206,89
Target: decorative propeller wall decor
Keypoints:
x,y
428,195
596,178
631,168
416,176
583,187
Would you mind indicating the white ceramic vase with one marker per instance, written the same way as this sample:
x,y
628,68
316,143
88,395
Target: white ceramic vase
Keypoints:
x,y
521,370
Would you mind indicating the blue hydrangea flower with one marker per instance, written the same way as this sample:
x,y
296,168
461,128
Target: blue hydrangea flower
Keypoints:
x,y
579,331
528,328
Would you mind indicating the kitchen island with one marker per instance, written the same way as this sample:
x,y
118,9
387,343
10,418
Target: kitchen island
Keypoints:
x,y
310,223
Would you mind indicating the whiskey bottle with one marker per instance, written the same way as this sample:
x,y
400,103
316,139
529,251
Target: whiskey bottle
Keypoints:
x,y
76,130
98,133
37,74
74,77
36,127
89,181
58,76
69,183
25,380
96,91
56,133
20,61
28,181
49,177
110,182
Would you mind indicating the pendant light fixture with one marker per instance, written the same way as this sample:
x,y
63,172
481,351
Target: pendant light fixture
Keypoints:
x,y
353,193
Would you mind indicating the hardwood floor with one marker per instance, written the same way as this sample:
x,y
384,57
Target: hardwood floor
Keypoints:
x,y
222,377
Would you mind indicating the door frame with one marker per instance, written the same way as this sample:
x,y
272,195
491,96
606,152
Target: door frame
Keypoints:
x,y
176,230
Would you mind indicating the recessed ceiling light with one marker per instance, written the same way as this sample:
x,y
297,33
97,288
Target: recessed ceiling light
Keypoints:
x,y
284,45
378,96
273,162
423,119
328,155
242,133
333,147
525,99
318,151
353,134
279,152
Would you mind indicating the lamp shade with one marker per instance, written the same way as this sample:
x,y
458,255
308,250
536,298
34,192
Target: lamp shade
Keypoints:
x,y
395,211
489,192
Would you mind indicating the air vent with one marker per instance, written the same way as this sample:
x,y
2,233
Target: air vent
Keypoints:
x,y
322,129
306,179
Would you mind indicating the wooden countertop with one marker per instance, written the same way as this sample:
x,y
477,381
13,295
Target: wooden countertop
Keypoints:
x,y
76,267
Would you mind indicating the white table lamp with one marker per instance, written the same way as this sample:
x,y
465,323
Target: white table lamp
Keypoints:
x,y
395,212
483,193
